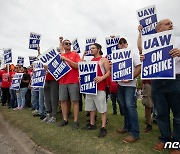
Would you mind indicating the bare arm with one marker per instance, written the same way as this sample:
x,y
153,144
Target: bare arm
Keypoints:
x,y
61,44
106,65
72,63
137,71
38,49
139,40
82,58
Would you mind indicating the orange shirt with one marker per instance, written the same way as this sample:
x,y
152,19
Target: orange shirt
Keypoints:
x,y
72,75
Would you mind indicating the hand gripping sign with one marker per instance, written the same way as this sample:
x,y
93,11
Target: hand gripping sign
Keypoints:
x,y
122,65
148,19
87,73
56,67
158,64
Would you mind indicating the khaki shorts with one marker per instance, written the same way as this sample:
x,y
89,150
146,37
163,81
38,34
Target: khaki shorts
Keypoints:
x,y
146,99
93,102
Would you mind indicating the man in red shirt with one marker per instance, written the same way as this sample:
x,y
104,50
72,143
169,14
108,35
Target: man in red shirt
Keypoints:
x,y
98,102
69,84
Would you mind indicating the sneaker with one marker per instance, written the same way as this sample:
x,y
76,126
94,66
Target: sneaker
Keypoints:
x,y
35,111
121,131
21,108
42,117
36,115
52,120
47,118
75,125
148,128
103,132
130,139
15,109
63,123
159,146
89,127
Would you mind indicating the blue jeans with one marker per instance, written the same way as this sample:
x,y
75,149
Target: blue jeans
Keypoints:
x,y
35,99
114,100
129,107
166,96
21,97
13,99
41,101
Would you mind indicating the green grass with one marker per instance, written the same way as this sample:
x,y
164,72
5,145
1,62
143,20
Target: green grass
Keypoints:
x,y
66,140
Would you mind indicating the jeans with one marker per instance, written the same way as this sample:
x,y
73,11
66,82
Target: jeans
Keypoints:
x,y
28,98
166,96
21,97
35,99
41,101
13,98
114,100
128,104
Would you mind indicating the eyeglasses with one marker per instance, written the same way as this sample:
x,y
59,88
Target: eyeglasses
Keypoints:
x,y
66,43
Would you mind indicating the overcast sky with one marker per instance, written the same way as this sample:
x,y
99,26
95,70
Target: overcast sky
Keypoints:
x,y
74,19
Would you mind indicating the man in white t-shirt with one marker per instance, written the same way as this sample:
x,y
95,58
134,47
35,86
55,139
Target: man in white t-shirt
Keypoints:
x,y
126,95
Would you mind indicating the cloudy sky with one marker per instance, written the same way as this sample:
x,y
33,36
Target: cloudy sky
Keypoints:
x,y
74,19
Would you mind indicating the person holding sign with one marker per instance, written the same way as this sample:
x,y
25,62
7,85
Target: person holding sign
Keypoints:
x,y
166,96
5,75
68,84
146,90
98,102
23,88
126,93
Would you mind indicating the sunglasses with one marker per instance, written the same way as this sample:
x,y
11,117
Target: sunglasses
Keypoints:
x,y
66,43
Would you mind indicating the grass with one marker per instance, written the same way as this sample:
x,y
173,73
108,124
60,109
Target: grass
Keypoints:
x,y
65,140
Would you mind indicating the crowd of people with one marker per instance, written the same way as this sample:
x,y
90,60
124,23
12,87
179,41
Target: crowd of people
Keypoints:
x,y
159,95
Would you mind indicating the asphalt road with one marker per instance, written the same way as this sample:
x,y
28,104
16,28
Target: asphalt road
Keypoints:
x,y
8,145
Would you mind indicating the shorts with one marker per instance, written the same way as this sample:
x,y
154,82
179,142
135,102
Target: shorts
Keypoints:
x,y
93,102
67,91
146,99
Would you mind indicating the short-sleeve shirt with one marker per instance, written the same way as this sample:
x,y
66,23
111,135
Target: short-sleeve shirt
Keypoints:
x,y
25,77
72,76
5,79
